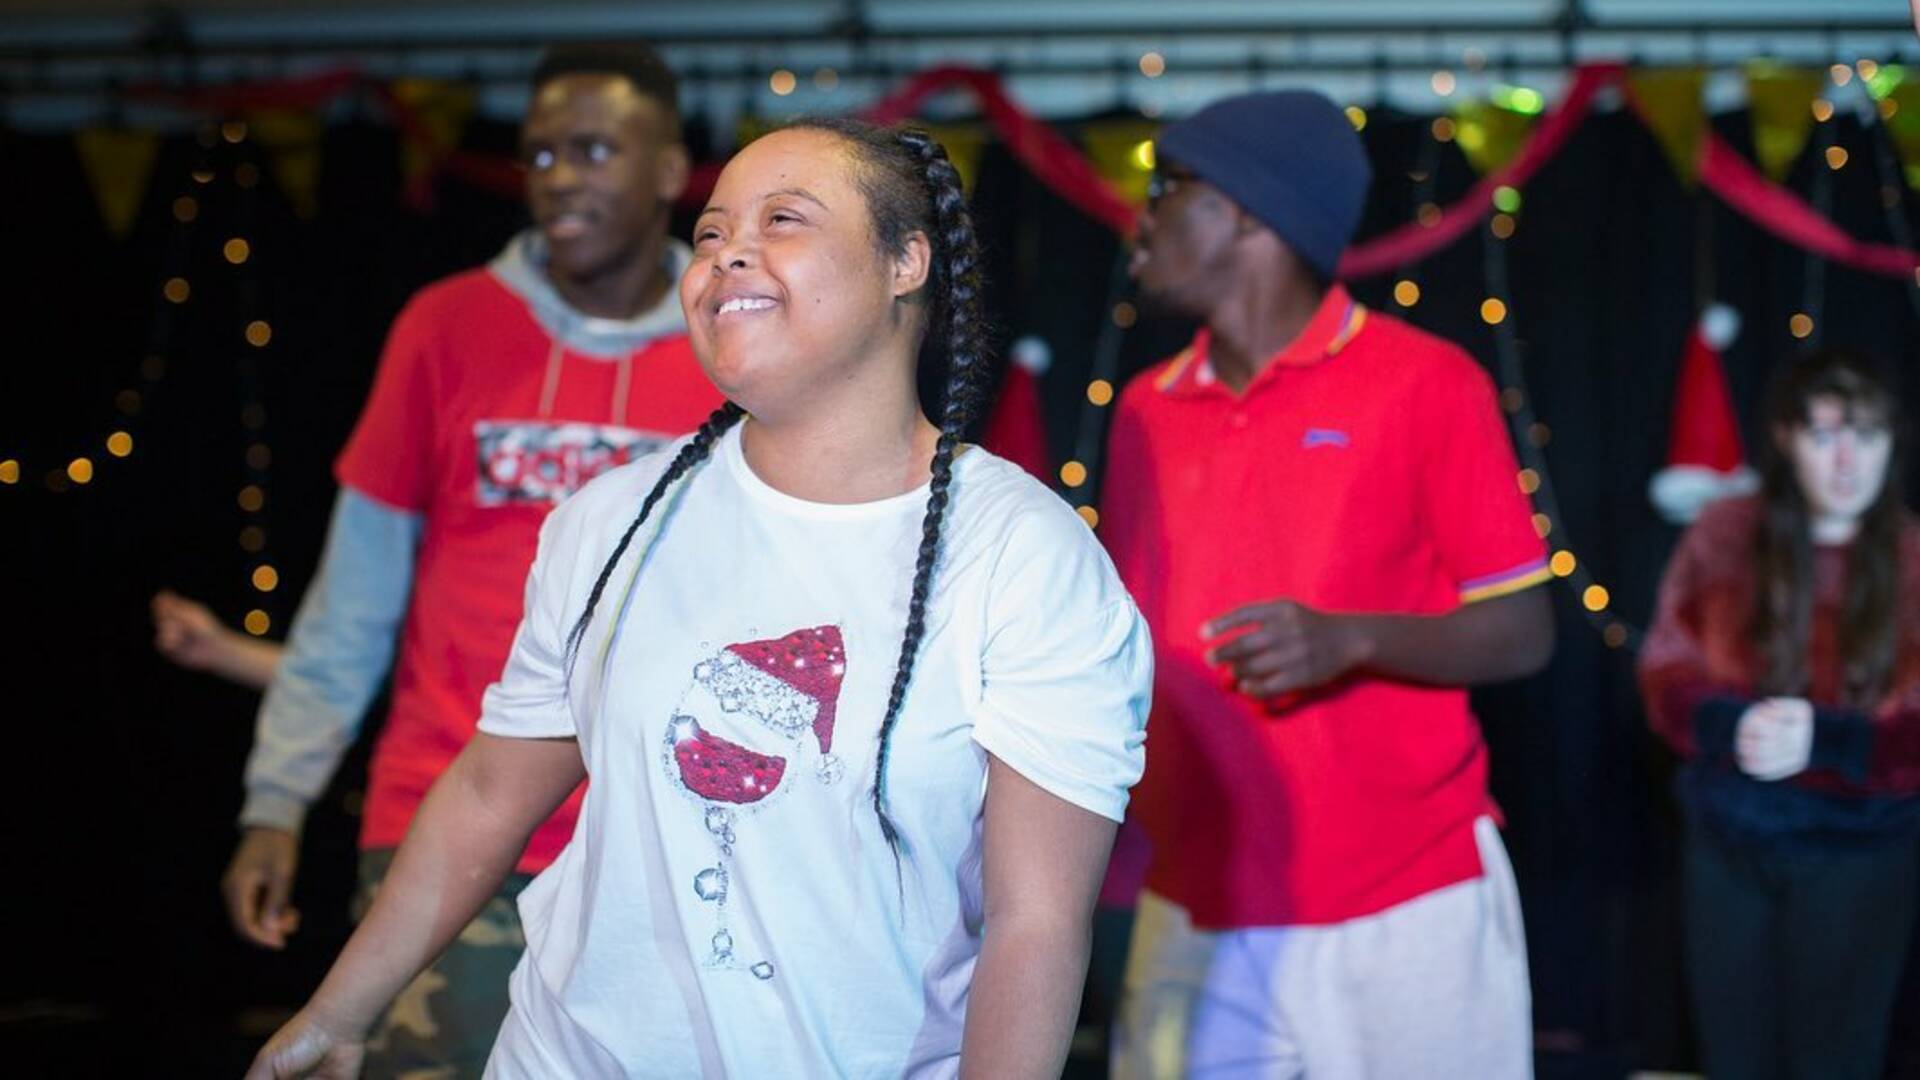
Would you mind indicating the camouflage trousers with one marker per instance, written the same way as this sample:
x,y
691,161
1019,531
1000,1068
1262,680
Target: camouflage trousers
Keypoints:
x,y
442,1026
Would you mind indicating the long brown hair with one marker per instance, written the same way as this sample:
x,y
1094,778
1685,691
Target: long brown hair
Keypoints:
x,y
1783,608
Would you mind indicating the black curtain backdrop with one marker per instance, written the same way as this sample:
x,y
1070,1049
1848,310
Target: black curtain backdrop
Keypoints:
x,y
122,777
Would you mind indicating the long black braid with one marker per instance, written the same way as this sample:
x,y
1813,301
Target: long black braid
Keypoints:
x,y
693,453
910,186
905,159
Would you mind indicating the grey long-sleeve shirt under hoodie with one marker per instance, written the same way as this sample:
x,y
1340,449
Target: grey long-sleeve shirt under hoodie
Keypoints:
x,y
344,635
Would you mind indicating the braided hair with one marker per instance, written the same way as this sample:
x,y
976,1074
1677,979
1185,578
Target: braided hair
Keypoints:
x,y
693,453
910,187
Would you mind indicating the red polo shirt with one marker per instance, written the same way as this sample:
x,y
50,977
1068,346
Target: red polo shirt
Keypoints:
x,y
1364,469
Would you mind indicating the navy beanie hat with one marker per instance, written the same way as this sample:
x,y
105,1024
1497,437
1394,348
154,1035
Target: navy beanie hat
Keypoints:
x,y
1289,157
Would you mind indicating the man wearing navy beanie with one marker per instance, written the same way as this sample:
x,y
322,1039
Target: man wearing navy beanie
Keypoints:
x,y
1314,505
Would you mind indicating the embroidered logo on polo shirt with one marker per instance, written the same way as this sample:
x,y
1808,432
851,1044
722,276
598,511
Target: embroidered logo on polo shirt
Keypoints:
x,y
535,461
1320,436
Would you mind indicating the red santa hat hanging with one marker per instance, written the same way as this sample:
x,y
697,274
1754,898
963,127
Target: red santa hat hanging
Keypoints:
x,y
1705,457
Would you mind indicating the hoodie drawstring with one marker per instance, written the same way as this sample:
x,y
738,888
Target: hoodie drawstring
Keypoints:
x,y
621,383
550,385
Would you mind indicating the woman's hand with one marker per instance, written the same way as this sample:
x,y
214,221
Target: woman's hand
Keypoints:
x,y
1774,739
465,838
309,1045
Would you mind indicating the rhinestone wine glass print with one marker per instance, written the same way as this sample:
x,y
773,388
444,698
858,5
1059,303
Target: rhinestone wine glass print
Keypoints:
x,y
788,686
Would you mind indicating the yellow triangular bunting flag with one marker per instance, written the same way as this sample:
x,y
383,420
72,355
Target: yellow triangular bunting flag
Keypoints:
x,y
1781,99
291,139
118,163
1122,152
1671,107
1489,135
445,109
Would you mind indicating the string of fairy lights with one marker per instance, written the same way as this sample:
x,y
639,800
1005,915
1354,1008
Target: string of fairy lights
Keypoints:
x,y
219,154
1532,436
255,336
1893,183
1876,82
138,390
1089,436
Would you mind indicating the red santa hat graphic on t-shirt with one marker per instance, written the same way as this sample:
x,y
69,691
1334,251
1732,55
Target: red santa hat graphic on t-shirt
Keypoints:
x,y
790,684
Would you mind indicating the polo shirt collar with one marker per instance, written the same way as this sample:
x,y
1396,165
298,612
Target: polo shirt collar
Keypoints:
x,y
1334,324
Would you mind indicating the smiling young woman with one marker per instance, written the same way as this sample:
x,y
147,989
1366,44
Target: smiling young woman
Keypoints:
x,y
860,705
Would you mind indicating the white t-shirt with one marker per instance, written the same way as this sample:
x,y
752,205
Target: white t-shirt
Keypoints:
x,y
728,904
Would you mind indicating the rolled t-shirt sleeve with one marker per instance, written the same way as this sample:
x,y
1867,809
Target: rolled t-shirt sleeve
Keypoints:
x,y
531,701
1067,672
1480,521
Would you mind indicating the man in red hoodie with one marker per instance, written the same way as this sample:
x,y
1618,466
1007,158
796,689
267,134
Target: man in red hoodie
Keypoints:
x,y
501,391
